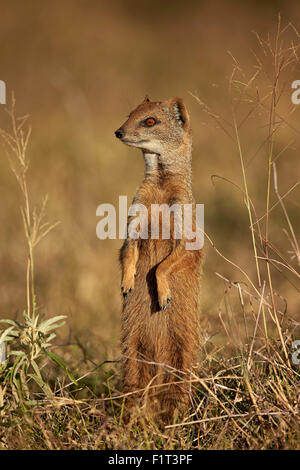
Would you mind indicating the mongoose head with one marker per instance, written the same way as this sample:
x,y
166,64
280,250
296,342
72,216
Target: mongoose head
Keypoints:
x,y
156,126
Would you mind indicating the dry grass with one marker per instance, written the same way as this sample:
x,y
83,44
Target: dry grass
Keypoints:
x,y
246,388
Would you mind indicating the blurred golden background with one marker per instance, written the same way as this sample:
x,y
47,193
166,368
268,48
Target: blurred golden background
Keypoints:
x,y
78,68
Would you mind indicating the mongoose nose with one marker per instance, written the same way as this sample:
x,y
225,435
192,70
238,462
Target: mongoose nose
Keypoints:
x,y
119,133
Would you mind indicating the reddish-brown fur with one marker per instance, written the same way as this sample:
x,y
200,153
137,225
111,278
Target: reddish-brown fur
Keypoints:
x,y
160,337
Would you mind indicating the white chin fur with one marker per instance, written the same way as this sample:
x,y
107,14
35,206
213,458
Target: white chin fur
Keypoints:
x,y
150,147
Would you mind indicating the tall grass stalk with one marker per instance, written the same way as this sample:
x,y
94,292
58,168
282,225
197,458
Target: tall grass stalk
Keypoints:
x,y
33,220
29,341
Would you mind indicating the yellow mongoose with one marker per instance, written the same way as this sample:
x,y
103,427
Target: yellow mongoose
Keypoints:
x,y
160,277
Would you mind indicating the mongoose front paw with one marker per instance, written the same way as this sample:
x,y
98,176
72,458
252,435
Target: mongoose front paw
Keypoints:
x,y
164,303
128,284
163,291
125,291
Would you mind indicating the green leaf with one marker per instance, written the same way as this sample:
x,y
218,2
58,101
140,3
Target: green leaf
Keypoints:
x,y
15,353
37,377
17,365
18,384
35,321
48,340
28,320
9,334
49,324
61,363
10,322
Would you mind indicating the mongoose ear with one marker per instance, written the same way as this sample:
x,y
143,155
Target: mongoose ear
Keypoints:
x,y
146,99
180,112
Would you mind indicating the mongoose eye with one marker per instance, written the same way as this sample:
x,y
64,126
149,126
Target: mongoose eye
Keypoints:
x,y
150,121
